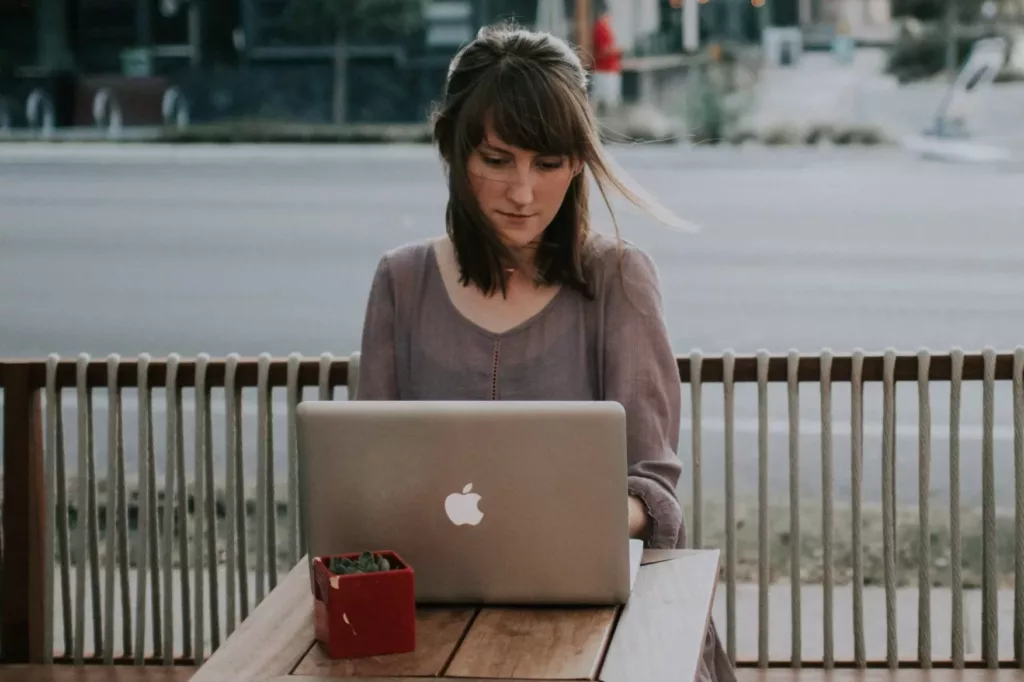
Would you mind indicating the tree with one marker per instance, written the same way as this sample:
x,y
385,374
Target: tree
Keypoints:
x,y
343,22
321,22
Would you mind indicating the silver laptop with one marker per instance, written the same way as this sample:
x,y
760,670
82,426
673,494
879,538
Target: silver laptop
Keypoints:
x,y
490,502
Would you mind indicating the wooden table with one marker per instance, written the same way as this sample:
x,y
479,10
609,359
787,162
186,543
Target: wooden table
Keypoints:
x,y
658,635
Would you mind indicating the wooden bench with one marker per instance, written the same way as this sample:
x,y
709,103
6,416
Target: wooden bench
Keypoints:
x,y
658,635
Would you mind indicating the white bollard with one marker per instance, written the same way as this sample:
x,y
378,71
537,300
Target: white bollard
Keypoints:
x,y
40,112
106,112
5,115
175,108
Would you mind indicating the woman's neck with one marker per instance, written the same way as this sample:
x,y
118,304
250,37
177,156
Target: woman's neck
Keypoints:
x,y
524,264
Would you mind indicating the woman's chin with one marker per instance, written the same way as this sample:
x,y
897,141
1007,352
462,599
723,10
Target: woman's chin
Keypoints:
x,y
519,236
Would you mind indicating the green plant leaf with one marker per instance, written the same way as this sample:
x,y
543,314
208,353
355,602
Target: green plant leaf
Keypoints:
x,y
367,562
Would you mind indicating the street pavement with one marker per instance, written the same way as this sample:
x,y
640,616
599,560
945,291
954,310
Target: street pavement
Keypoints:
x,y
136,248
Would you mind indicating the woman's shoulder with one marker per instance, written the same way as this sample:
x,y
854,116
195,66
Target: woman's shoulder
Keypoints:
x,y
625,279
613,259
407,261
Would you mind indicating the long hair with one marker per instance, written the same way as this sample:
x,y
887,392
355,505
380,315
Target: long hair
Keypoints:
x,y
531,89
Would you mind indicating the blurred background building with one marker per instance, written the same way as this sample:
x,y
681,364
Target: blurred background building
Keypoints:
x,y
359,61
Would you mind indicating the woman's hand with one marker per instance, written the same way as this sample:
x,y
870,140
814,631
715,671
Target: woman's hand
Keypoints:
x,y
639,523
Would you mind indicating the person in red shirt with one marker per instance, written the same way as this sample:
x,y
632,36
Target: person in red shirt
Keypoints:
x,y
607,76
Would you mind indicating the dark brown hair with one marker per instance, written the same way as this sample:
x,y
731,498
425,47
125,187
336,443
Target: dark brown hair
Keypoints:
x,y
531,88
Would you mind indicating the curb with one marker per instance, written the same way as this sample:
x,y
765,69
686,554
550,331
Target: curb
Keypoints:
x,y
782,135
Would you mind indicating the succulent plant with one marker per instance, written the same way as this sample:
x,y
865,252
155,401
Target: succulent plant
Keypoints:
x,y
367,562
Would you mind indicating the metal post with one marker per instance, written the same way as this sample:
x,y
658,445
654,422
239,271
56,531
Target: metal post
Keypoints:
x,y
250,27
806,13
23,618
195,31
340,95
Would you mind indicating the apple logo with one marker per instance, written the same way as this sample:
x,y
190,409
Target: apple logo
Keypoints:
x,y
462,507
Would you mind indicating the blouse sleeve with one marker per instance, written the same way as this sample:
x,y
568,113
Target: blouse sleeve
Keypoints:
x,y
641,374
377,351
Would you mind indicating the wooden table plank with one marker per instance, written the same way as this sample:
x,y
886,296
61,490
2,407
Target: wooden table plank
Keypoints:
x,y
660,634
656,556
535,643
788,675
438,632
272,640
311,678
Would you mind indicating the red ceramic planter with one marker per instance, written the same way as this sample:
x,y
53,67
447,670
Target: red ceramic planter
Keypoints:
x,y
365,614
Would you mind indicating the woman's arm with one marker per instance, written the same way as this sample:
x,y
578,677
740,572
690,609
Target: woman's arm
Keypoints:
x,y
640,373
377,379
639,522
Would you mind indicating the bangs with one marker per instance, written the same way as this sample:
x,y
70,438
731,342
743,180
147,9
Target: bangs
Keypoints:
x,y
526,108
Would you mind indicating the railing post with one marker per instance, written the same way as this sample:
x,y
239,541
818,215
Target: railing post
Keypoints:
x,y
24,514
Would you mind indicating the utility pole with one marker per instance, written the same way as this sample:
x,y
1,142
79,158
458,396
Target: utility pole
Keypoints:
x,y
197,32
691,25
339,100
583,31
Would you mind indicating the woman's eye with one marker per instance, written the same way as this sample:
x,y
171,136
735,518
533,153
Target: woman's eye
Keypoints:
x,y
493,161
552,165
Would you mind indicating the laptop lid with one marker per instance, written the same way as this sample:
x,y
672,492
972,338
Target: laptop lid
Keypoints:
x,y
496,502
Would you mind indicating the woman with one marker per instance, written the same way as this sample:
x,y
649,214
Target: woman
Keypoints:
x,y
519,300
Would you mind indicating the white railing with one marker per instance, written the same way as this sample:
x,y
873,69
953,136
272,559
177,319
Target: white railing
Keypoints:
x,y
159,548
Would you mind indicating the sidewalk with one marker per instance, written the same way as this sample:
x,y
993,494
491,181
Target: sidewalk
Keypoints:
x,y
820,90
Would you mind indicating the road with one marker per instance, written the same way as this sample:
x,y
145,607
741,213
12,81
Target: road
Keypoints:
x,y
158,249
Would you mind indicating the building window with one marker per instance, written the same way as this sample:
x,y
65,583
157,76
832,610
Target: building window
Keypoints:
x,y
17,35
784,13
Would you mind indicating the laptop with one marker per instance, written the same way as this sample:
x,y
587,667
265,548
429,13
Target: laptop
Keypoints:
x,y
490,502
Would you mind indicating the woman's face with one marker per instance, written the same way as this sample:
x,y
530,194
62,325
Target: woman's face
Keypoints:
x,y
520,191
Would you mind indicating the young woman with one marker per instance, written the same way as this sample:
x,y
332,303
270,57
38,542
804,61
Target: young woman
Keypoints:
x,y
519,300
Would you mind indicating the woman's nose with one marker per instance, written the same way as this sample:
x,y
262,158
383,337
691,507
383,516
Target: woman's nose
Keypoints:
x,y
520,190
